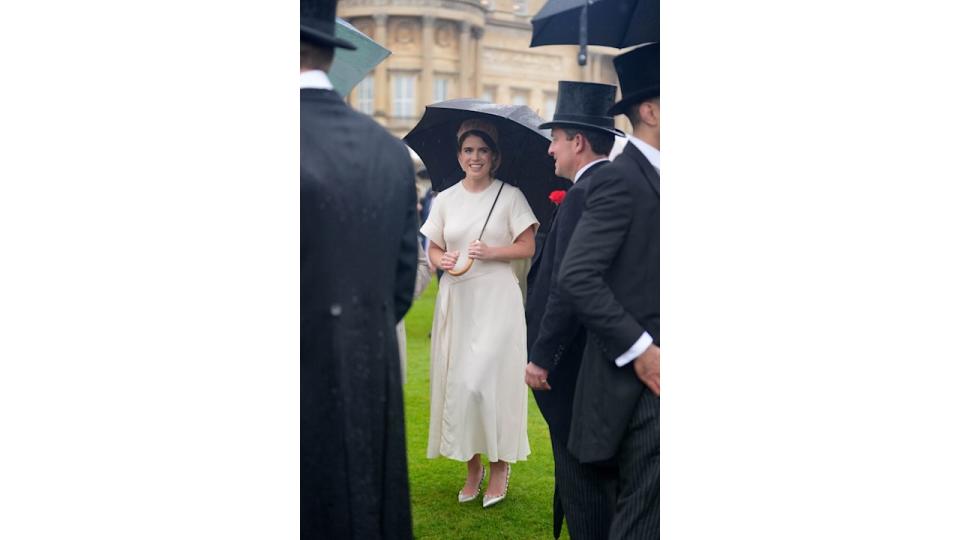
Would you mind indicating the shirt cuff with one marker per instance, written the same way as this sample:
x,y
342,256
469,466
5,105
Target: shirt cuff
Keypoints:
x,y
638,348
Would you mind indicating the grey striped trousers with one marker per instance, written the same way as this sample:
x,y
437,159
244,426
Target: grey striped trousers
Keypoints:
x,y
637,514
587,494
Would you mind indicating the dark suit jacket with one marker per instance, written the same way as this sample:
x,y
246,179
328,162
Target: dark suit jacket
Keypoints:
x,y
358,260
555,337
611,274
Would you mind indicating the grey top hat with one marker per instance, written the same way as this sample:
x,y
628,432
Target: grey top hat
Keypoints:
x,y
317,24
584,105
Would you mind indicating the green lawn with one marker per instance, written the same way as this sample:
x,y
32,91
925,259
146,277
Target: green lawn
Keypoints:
x,y
527,511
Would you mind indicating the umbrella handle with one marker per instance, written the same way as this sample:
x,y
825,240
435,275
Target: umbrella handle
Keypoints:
x,y
457,273
582,56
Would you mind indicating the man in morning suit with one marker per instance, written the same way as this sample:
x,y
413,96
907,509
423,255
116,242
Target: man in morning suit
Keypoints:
x,y
582,136
358,262
611,275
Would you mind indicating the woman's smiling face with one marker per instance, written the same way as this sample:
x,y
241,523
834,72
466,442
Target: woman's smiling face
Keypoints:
x,y
476,158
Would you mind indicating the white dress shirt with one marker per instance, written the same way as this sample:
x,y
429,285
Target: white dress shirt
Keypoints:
x,y
642,344
649,152
587,166
315,79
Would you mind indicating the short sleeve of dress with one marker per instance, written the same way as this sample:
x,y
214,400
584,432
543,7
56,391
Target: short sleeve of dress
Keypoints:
x,y
521,216
433,228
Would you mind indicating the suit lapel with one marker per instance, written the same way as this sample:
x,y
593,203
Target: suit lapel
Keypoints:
x,y
641,161
536,256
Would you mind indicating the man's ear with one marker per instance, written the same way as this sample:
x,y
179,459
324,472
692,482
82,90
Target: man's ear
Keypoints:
x,y
649,113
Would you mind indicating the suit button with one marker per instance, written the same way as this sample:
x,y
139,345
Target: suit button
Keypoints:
x,y
336,310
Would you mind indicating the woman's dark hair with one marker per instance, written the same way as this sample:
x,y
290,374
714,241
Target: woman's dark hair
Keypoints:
x,y
486,139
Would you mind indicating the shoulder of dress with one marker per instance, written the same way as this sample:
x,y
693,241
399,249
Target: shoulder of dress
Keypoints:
x,y
509,188
447,193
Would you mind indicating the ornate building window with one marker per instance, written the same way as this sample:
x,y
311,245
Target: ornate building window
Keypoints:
x,y
489,93
520,97
549,104
441,89
364,94
404,90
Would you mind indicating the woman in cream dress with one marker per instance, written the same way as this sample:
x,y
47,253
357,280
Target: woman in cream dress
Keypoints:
x,y
478,398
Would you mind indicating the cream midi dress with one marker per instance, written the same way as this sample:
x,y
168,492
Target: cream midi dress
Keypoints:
x,y
478,398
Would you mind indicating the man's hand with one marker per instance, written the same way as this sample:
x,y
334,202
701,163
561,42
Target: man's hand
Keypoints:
x,y
647,368
536,377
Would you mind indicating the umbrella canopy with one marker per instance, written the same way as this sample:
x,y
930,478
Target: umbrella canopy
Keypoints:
x,y
523,148
611,23
350,67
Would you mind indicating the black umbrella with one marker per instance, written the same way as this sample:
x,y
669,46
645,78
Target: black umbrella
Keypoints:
x,y
611,23
523,148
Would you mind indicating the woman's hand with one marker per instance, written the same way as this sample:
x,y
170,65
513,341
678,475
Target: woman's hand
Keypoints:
x,y
479,250
449,260
522,248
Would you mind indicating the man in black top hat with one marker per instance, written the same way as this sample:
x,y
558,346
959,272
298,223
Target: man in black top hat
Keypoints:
x,y
611,275
358,260
583,135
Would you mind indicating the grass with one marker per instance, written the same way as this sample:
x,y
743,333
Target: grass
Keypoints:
x,y
527,511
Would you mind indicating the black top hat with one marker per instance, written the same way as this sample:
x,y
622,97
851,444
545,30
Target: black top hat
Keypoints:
x,y
318,25
583,105
639,74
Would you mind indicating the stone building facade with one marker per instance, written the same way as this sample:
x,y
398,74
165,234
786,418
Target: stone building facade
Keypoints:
x,y
446,49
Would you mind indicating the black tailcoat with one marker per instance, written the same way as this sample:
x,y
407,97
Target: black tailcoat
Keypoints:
x,y
555,338
358,260
611,274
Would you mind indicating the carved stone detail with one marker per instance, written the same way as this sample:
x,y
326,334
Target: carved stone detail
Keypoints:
x,y
445,35
516,61
365,25
404,32
457,5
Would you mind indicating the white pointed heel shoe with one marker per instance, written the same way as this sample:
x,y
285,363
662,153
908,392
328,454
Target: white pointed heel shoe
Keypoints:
x,y
464,498
489,500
